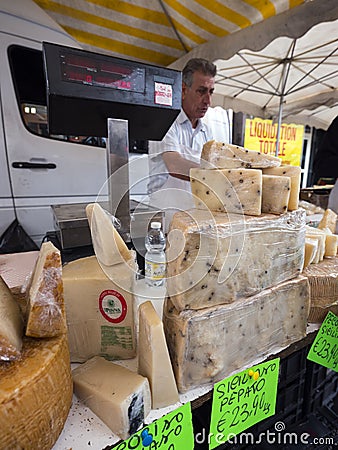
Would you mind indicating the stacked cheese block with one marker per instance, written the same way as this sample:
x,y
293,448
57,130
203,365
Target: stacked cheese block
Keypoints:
x,y
235,293
35,377
100,316
321,267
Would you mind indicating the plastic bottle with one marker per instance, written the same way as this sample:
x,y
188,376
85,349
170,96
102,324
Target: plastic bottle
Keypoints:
x,y
155,260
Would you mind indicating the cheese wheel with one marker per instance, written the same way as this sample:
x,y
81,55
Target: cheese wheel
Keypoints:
x,y
35,395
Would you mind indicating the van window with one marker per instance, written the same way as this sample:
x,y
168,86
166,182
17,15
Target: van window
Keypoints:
x,y
30,87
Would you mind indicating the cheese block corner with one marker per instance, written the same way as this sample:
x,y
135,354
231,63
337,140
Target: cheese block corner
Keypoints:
x,y
118,396
45,305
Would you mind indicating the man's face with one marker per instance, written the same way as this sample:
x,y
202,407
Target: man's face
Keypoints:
x,y
197,98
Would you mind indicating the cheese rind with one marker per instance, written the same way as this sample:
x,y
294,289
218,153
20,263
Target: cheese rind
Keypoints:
x,y
35,394
153,358
11,324
215,259
210,344
275,194
109,247
217,155
294,172
232,191
45,305
118,396
99,311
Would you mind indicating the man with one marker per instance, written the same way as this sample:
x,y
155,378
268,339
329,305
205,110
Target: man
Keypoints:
x,y
171,159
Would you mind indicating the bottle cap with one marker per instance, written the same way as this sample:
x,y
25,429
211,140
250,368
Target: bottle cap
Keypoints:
x,y
155,225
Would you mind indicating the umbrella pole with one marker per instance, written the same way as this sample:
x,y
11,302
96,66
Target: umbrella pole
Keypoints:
x,y
279,123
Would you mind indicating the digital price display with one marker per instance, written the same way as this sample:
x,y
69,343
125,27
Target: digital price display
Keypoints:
x,y
100,73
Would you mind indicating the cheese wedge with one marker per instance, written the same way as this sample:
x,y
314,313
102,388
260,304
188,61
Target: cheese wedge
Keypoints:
x,y
109,247
217,155
311,248
275,194
35,394
118,396
11,324
329,220
294,172
99,311
331,245
46,309
153,358
237,191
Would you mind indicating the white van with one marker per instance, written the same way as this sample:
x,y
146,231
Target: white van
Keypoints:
x,y
38,170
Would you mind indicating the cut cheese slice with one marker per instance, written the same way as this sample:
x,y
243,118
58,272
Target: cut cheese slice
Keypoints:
x,y
210,344
217,155
294,172
99,311
331,244
11,324
329,220
109,247
118,396
35,394
311,248
237,191
275,194
46,310
153,358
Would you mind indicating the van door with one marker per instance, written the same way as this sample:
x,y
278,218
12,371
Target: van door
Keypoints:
x,y
43,169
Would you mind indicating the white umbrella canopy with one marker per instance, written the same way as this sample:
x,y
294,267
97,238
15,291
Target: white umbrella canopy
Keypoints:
x,y
285,68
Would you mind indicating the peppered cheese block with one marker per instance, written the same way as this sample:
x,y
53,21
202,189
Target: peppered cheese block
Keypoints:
x,y
214,258
118,396
294,172
45,305
35,394
323,280
232,191
275,194
153,358
217,155
11,324
210,344
109,247
99,311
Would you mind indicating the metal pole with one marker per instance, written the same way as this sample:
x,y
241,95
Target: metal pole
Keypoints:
x,y
279,123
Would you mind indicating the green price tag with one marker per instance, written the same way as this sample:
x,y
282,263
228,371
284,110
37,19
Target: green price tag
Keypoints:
x,y
324,350
173,431
242,400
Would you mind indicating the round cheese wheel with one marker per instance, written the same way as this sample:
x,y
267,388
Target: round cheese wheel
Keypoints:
x,y
35,394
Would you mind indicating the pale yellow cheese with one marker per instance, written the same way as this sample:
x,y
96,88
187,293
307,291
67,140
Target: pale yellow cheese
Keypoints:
x,y
109,247
275,194
237,191
35,395
329,220
331,244
319,255
118,396
328,241
209,344
311,247
11,324
99,311
217,155
45,306
214,259
153,358
294,172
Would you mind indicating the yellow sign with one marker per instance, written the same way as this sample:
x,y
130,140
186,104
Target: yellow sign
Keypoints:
x,y
261,135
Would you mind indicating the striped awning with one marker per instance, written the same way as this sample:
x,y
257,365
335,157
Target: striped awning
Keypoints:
x,y
157,31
